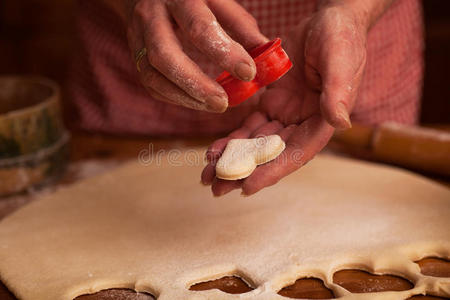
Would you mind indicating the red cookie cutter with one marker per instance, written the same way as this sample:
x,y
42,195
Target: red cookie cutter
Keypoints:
x,y
271,62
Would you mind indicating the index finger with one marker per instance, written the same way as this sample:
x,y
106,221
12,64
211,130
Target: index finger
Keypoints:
x,y
199,23
165,54
238,22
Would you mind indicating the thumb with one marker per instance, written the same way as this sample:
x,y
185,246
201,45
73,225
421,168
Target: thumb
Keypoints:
x,y
341,68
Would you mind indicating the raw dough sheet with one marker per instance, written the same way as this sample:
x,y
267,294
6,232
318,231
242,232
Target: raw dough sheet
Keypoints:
x,y
155,228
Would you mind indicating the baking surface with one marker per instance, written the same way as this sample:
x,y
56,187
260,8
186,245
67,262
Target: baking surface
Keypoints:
x,y
334,214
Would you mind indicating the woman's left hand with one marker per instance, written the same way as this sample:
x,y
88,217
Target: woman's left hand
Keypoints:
x,y
328,51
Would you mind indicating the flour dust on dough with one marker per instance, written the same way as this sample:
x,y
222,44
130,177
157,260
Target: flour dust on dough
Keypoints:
x,y
155,229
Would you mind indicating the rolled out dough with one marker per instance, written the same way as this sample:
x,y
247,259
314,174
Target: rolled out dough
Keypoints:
x,y
155,229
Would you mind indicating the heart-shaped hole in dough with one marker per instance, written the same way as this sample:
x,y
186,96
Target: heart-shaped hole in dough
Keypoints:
x,y
114,294
307,288
357,281
426,297
241,156
227,284
433,266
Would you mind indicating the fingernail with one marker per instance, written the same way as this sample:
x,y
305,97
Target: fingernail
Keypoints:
x,y
343,115
217,104
245,71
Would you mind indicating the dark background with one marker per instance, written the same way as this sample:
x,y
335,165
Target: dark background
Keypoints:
x,y
37,36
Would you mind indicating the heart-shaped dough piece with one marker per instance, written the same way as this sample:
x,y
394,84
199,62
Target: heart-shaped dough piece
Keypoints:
x,y
241,156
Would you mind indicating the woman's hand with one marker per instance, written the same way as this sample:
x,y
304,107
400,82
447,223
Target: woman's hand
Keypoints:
x,y
221,29
329,54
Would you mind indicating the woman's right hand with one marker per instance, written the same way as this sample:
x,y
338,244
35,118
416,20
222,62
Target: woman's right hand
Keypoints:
x,y
220,29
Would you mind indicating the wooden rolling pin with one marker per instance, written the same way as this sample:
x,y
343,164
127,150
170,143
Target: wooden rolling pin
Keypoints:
x,y
417,148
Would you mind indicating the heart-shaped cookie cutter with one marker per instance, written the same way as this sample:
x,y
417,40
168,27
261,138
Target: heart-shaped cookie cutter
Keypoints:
x,y
271,62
